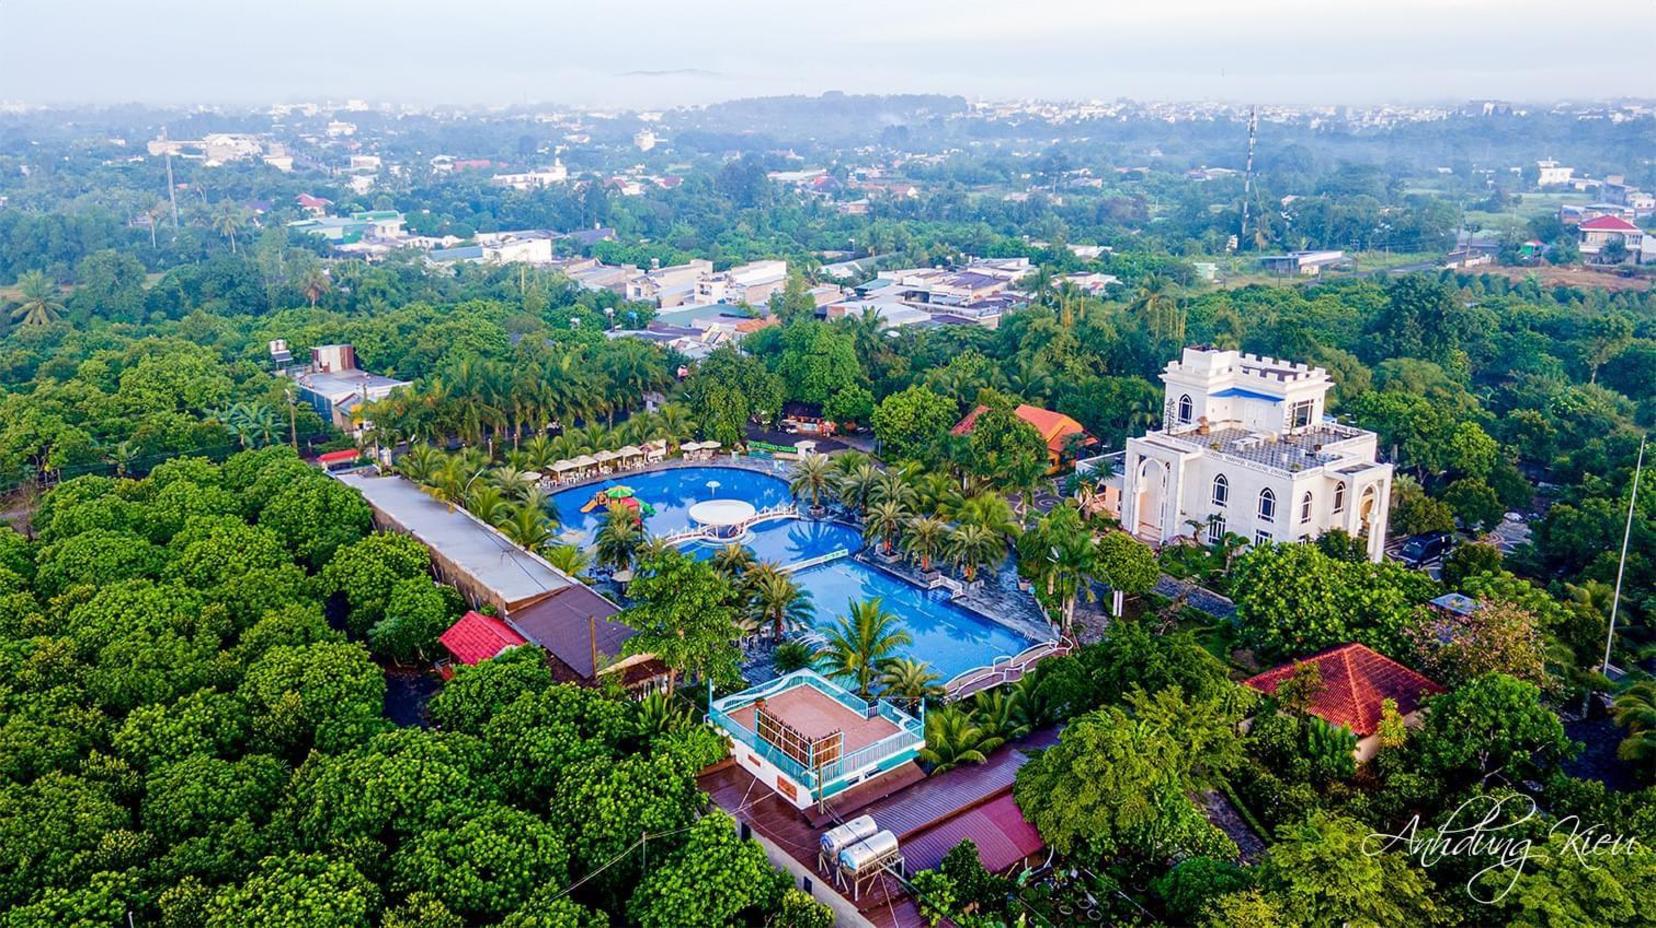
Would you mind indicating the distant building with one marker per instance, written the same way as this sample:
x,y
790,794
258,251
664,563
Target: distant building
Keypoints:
x,y
1302,263
533,180
317,207
334,386
751,283
1356,681
1552,174
644,140
498,248
1245,447
348,230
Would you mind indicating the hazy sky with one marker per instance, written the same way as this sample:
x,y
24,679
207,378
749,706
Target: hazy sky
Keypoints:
x,y
660,52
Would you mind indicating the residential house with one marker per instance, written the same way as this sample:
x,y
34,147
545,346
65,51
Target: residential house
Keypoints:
x,y
1356,681
1061,433
334,386
1550,173
533,180
1595,234
1245,447
1303,263
751,283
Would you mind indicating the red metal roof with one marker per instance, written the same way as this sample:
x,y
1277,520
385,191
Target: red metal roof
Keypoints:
x,y
477,637
334,457
1356,679
1002,835
1609,224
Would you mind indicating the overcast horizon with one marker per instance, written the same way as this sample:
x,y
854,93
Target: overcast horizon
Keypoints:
x,y
657,55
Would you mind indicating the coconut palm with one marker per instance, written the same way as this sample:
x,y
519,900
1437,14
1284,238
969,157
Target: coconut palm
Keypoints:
x,y
952,739
884,523
122,454
618,540
39,304
569,559
893,486
673,423
514,484
853,485
859,646
538,453
315,284
923,538
813,477
263,425
990,511
487,503
527,527
779,600
996,712
421,462
1156,305
910,680
972,546
733,561
452,480
1635,710
228,218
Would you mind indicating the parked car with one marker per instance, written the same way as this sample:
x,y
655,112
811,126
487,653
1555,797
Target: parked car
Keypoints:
x,y
1424,549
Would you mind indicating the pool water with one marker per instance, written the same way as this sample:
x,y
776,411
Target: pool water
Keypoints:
x,y
950,638
671,492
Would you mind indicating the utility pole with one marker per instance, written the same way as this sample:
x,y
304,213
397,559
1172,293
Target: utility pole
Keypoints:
x,y
1627,533
172,189
1247,178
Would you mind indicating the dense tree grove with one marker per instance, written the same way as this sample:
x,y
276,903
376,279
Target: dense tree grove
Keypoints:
x,y
185,738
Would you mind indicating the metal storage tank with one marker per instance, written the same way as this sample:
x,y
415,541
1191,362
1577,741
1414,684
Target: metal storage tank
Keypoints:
x,y
835,839
868,853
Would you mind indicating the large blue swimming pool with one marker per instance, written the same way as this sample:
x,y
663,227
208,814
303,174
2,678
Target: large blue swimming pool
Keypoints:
x,y
946,636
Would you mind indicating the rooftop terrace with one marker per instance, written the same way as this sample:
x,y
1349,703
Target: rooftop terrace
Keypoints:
x,y
1304,449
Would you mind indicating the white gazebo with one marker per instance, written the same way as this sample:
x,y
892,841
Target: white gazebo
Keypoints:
x,y
628,452
585,462
722,518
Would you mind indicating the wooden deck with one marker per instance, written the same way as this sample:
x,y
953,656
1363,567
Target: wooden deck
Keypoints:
x,y
815,714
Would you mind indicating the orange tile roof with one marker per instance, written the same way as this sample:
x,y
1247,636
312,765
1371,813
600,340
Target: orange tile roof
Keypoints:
x,y
1054,427
1356,679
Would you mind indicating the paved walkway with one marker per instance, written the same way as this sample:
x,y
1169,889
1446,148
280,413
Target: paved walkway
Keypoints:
x,y
1196,596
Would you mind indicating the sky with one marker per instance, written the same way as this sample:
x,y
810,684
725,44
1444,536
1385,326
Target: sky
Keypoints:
x,y
661,53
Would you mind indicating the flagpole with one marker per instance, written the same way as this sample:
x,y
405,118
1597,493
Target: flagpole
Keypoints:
x,y
1621,568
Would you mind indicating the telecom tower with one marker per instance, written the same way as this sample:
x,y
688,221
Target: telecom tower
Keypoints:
x,y
1247,179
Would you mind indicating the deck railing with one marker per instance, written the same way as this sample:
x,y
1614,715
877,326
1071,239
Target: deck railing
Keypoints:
x,y
833,555
1007,669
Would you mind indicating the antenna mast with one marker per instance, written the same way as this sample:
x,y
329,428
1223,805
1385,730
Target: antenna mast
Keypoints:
x,y
172,189
1247,179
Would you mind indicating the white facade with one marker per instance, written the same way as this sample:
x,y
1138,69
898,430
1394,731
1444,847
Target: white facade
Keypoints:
x,y
1550,173
1245,448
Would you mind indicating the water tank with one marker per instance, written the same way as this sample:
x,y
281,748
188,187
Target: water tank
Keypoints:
x,y
860,856
835,839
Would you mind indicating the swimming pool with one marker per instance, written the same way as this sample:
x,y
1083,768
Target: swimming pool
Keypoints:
x,y
948,637
671,492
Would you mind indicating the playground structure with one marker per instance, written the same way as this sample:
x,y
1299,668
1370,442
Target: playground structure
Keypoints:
x,y
620,497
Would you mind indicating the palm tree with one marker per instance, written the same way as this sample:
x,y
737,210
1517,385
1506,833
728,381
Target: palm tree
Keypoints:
x,y
122,454
972,546
487,503
813,477
910,679
893,486
527,527
953,739
452,480
315,284
569,559
618,539
539,453
996,711
421,462
990,511
228,219
923,538
263,425
513,483
1156,305
884,522
673,424
40,304
780,601
861,644
1635,710
853,485
733,561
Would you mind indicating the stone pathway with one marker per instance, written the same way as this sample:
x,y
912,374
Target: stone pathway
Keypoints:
x,y
1225,817
1196,596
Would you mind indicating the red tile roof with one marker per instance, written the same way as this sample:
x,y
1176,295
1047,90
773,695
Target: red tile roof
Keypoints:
x,y
1609,224
1054,427
1356,680
477,637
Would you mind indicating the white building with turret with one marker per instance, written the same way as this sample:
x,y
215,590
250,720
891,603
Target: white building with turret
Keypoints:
x,y
1245,447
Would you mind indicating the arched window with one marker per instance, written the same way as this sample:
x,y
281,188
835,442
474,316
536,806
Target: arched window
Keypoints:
x,y
1267,506
1339,497
1187,409
1305,507
1221,490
